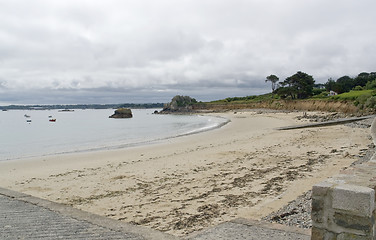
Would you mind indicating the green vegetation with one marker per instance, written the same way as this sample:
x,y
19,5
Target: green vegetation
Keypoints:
x,y
353,95
247,99
183,101
364,99
344,84
359,91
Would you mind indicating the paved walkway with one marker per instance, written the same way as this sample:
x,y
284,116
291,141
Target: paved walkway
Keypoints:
x,y
26,217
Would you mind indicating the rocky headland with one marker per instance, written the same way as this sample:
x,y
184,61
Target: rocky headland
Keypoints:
x,y
179,104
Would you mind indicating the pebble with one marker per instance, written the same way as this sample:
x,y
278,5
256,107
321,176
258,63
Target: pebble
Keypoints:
x,y
296,213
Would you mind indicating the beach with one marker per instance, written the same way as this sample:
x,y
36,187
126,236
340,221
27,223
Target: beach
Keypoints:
x,y
247,168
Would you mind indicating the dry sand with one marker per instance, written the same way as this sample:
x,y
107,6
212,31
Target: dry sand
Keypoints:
x,y
244,169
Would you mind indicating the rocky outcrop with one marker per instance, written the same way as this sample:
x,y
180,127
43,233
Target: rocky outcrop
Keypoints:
x,y
122,113
178,104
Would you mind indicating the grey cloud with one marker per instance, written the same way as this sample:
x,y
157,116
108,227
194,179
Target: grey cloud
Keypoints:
x,y
208,48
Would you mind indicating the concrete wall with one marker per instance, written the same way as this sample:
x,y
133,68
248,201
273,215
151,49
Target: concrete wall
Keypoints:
x,y
343,207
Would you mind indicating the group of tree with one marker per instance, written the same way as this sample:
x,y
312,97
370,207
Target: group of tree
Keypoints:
x,y
346,83
301,85
298,86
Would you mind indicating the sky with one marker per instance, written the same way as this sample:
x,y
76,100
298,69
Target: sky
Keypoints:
x,y
144,51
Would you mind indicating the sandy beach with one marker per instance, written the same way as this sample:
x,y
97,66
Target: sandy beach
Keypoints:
x,y
246,168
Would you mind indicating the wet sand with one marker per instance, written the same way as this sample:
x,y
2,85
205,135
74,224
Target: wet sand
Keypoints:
x,y
246,169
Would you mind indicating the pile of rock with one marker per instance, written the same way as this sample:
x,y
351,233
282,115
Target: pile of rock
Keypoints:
x,y
321,117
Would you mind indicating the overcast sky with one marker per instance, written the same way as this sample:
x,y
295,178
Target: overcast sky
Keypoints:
x,y
115,51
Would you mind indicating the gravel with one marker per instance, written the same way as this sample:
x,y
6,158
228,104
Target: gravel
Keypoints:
x,y
296,213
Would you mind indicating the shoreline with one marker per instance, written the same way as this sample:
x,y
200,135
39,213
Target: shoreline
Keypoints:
x,y
244,169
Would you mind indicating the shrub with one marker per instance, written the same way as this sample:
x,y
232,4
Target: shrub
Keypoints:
x,y
324,94
361,100
371,85
317,91
370,102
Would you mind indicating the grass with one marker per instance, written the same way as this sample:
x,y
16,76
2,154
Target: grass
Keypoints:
x,y
247,99
353,95
362,99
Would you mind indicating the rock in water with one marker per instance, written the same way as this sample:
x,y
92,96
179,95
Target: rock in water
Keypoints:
x,y
182,104
122,113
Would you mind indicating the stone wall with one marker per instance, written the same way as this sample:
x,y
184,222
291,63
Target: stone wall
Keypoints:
x,y
343,207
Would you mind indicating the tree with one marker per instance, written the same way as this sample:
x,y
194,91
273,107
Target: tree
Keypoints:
x,y
363,78
273,79
345,84
285,92
298,86
330,85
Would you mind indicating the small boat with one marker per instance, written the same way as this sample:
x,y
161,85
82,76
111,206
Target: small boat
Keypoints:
x,y
52,120
28,120
26,116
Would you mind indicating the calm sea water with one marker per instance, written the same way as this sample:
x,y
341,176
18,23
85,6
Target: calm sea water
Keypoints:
x,y
86,130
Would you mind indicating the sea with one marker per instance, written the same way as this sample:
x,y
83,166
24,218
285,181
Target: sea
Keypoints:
x,y
30,133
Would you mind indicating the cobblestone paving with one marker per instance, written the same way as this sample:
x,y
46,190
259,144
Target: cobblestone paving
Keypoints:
x,y
23,220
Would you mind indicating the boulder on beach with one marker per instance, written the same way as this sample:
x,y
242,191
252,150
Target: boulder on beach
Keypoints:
x,y
122,113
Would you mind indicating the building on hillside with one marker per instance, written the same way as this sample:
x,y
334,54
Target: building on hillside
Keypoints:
x,y
332,93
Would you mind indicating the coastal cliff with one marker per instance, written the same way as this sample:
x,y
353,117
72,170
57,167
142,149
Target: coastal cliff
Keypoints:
x,y
288,105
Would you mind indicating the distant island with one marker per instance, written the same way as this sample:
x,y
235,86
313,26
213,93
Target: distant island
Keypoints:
x,y
83,106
